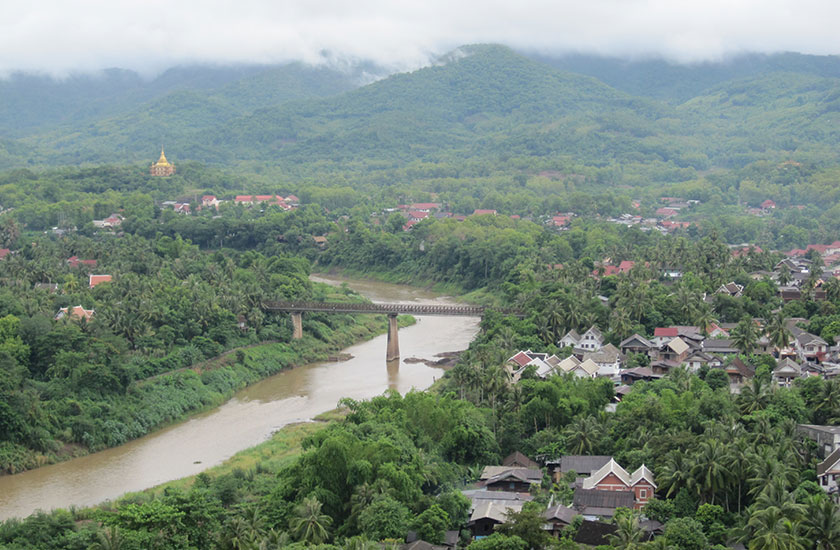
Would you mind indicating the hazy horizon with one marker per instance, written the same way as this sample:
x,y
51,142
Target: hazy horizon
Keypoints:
x,y
54,38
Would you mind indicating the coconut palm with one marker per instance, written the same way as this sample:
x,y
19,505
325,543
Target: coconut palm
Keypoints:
x,y
771,530
309,524
709,469
628,534
777,331
822,523
582,434
675,473
745,335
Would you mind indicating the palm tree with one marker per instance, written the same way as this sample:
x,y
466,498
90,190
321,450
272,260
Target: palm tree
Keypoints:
x,y
745,336
309,524
109,539
675,473
582,434
628,534
620,322
829,400
771,530
777,331
704,316
754,397
784,276
737,462
822,523
709,469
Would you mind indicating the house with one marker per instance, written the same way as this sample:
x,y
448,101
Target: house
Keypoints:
x,y
77,313
595,503
739,372
808,347
571,339
74,262
827,437
608,359
828,472
519,460
114,220
629,376
732,289
698,359
292,200
483,212
517,364
320,240
586,369
3,253
591,340
486,514
208,201
583,465
636,344
516,480
786,372
98,279
676,350
418,215
612,477
243,199
768,205
720,347
557,518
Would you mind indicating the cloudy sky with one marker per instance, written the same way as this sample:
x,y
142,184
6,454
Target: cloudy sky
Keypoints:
x,y
60,36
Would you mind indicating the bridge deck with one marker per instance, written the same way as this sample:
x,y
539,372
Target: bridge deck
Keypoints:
x,y
411,309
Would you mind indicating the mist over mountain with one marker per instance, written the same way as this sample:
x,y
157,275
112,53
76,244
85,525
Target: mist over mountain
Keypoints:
x,y
478,102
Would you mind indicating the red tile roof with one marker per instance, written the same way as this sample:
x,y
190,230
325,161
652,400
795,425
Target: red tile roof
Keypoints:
x,y
97,279
666,331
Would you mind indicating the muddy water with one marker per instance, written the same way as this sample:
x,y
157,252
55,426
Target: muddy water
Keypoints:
x,y
249,417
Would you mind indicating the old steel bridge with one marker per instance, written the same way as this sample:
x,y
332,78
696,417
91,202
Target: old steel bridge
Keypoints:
x,y
296,309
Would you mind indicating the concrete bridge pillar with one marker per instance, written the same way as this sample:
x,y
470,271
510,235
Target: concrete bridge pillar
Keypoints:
x,y
297,325
393,351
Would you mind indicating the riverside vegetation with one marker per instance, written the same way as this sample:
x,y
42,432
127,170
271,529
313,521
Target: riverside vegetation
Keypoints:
x,y
507,133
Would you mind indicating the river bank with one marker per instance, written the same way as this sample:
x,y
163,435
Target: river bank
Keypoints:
x,y
251,416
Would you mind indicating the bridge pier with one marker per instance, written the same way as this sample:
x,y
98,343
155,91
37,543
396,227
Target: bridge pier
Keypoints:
x,y
297,325
393,351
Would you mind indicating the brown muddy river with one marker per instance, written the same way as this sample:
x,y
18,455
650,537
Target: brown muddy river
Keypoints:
x,y
249,417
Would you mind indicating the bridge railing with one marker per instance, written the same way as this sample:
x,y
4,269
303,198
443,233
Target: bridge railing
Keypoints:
x,y
419,309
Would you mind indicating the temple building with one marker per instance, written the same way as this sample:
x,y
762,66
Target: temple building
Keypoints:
x,y
162,167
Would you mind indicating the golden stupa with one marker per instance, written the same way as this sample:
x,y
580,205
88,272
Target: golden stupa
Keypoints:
x,y
162,167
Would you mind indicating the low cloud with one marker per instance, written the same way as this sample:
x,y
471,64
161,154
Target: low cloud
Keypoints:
x,y
58,37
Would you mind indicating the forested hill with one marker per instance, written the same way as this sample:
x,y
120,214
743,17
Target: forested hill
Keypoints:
x,y
32,104
480,103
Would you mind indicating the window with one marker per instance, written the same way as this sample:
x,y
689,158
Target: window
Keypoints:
x,y
642,493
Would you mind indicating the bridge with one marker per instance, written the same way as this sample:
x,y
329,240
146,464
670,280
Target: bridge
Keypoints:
x,y
296,309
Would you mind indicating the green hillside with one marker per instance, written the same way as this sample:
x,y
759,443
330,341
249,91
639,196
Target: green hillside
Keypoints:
x,y
484,104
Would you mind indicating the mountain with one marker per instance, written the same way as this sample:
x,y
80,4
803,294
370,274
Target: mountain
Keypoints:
x,y
31,104
481,103
677,83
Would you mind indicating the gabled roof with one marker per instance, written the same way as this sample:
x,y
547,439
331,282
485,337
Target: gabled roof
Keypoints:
x,y
806,338
518,459
611,467
589,366
520,359
638,338
560,513
830,464
569,363
719,345
582,464
787,365
593,498
607,354
77,312
594,331
495,510
526,475
678,345
572,335
643,473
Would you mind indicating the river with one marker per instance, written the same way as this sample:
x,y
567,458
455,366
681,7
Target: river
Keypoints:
x,y
250,416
